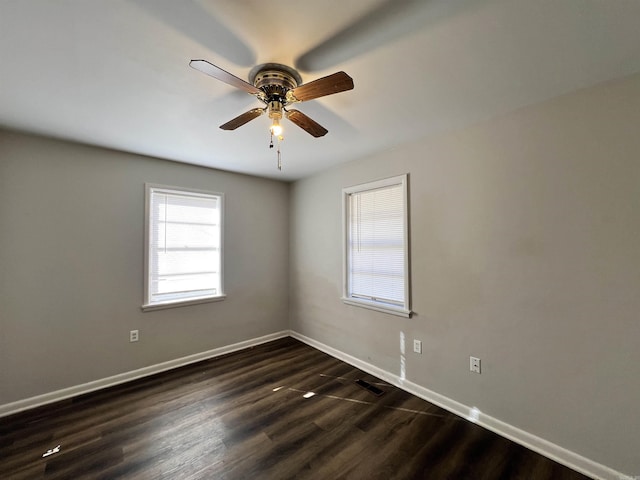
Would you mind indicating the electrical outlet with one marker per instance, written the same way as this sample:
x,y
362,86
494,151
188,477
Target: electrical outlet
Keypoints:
x,y
417,346
133,336
474,364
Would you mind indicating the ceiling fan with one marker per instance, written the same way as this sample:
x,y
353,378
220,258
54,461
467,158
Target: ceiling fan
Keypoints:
x,y
278,86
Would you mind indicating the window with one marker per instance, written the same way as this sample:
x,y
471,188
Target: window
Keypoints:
x,y
376,246
183,262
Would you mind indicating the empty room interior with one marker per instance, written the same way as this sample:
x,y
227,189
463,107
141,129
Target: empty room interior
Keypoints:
x,y
375,239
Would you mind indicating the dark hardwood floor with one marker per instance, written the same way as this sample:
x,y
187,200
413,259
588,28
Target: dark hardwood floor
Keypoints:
x,y
245,416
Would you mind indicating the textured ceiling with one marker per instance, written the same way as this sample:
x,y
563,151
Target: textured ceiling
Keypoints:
x,y
115,73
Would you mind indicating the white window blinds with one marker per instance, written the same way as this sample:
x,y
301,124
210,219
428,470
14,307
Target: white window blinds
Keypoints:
x,y
376,243
184,249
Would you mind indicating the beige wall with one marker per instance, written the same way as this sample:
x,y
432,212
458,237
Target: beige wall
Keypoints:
x,y
71,265
525,234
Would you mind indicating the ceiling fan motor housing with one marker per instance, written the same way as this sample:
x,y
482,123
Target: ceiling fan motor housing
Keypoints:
x,y
275,80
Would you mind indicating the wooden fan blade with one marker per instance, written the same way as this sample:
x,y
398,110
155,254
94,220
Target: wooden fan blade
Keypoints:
x,y
224,76
242,119
338,82
307,124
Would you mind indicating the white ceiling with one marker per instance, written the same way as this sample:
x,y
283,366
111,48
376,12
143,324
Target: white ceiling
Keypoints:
x,y
115,73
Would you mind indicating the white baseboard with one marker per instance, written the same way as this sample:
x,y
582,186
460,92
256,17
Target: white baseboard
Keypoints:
x,y
540,445
21,405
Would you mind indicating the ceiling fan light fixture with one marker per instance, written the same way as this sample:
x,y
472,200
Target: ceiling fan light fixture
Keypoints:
x,y
276,128
275,114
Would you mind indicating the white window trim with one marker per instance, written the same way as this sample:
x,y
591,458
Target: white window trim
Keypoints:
x,y
146,306
405,310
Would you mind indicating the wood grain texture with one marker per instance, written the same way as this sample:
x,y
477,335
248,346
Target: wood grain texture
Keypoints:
x,y
334,83
306,123
244,416
242,119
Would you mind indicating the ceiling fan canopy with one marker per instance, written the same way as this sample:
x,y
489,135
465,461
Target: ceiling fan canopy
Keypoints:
x,y
278,86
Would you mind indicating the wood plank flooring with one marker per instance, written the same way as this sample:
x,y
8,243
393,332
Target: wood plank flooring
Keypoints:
x,y
245,416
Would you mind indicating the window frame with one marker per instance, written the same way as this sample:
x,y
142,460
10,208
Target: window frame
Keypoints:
x,y
405,309
147,304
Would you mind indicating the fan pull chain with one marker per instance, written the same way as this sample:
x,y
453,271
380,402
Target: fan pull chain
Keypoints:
x,y
280,139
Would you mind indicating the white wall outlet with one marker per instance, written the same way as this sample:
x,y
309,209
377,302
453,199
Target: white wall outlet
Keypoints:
x,y
133,336
417,346
474,364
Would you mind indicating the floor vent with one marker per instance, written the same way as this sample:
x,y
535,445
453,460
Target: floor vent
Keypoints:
x,y
371,388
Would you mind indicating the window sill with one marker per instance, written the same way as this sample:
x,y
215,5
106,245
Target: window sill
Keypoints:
x,y
398,311
149,307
